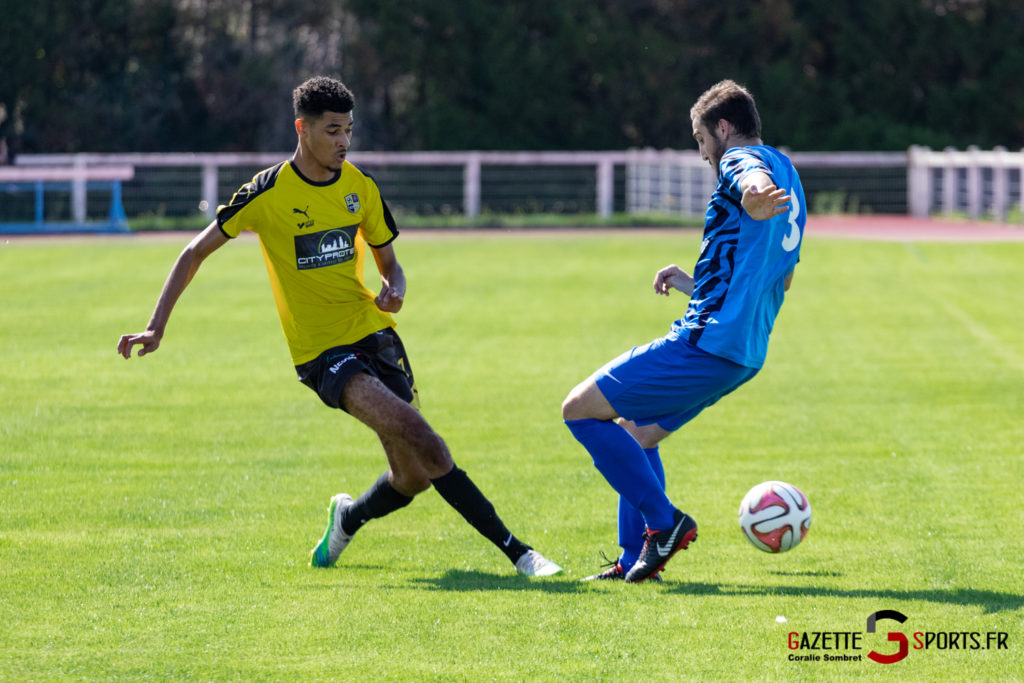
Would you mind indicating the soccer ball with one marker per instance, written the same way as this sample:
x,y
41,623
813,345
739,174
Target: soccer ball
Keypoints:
x,y
775,516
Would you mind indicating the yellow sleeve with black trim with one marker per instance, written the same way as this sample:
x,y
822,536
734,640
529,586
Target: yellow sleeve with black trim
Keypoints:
x,y
378,227
237,215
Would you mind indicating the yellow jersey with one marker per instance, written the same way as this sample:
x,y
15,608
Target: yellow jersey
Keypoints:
x,y
314,236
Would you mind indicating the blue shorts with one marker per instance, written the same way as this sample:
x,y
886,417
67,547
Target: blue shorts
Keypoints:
x,y
668,382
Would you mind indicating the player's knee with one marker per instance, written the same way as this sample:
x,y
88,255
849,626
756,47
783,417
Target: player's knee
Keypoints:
x,y
577,407
432,451
440,458
410,483
571,407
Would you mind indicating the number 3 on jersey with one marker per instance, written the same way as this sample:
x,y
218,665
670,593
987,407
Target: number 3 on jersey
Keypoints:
x,y
790,241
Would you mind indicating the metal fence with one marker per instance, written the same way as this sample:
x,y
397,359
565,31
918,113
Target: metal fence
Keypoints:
x,y
973,182
666,182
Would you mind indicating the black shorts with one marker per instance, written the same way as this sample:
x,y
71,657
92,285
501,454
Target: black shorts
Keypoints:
x,y
380,354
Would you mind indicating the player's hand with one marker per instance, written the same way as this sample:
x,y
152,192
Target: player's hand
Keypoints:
x,y
762,204
390,299
673,277
150,341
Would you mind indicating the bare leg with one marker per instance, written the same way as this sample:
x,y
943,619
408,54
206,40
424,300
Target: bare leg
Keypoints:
x,y
647,436
415,452
405,473
586,401
418,458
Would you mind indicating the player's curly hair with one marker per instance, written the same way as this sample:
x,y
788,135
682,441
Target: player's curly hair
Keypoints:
x,y
730,101
321,94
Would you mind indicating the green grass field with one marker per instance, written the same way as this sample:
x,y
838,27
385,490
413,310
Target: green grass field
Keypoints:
x,y
156,514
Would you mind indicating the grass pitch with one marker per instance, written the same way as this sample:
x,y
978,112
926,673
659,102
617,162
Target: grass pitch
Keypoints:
x,y
156,514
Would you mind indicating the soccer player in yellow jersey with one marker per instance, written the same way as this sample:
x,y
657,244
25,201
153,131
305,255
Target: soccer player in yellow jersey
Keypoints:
x,y
315,214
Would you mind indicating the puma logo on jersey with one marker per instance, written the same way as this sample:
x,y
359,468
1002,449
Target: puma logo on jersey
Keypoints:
x,y
308,223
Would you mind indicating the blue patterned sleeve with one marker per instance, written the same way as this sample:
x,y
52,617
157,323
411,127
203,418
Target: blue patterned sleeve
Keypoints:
x,y
736,163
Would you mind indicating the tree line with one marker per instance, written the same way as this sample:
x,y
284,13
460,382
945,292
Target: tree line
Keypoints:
x,y
217,75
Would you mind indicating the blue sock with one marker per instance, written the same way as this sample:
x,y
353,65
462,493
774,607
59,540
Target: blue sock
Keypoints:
x,y
631,522
620,459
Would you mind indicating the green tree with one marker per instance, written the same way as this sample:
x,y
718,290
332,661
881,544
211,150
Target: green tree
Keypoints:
x,y
846,74
208,75
95,75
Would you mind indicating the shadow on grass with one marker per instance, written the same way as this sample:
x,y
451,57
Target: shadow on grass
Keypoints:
x,y
989,601
461,581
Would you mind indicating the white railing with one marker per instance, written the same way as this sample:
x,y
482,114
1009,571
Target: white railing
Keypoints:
x,y
674,182
668,182
976,182
919,182
469,162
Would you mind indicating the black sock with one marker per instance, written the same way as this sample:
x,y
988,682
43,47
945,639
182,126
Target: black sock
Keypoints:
x,y
463,495
378,500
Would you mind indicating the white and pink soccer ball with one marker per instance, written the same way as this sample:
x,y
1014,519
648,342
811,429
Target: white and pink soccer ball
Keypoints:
x,y
775,516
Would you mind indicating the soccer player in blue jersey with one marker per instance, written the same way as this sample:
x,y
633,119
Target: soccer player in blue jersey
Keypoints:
x,y
752,234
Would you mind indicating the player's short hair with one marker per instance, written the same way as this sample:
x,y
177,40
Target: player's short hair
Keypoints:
x,y
322,94
730,101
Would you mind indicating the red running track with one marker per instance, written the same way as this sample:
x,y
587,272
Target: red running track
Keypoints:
x,y
909,229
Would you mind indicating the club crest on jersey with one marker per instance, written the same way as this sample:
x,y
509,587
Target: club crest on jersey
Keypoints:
x,y
352,202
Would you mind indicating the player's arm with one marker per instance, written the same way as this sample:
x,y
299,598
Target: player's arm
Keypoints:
x,y
673,277
761,198
789,281
392,290
182,272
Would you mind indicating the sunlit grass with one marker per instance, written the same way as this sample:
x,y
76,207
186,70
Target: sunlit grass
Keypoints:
x,y
156,514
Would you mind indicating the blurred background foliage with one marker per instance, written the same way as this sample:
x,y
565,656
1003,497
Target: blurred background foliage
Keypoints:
x,y
217,75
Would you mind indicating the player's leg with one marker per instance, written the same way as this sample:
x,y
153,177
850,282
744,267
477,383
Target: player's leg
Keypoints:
x,y
393,490
648,436
412,449
640,383
616,454
415,451
631,522
327,375
689,381
631,525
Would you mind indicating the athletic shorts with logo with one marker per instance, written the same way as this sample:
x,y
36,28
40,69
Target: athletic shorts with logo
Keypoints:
x,y
668,382
380,354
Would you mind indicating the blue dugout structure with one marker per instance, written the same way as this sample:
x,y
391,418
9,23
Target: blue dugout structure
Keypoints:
x,y
74,179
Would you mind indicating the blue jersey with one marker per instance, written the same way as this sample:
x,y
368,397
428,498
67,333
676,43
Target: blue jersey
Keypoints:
x,y
740,273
